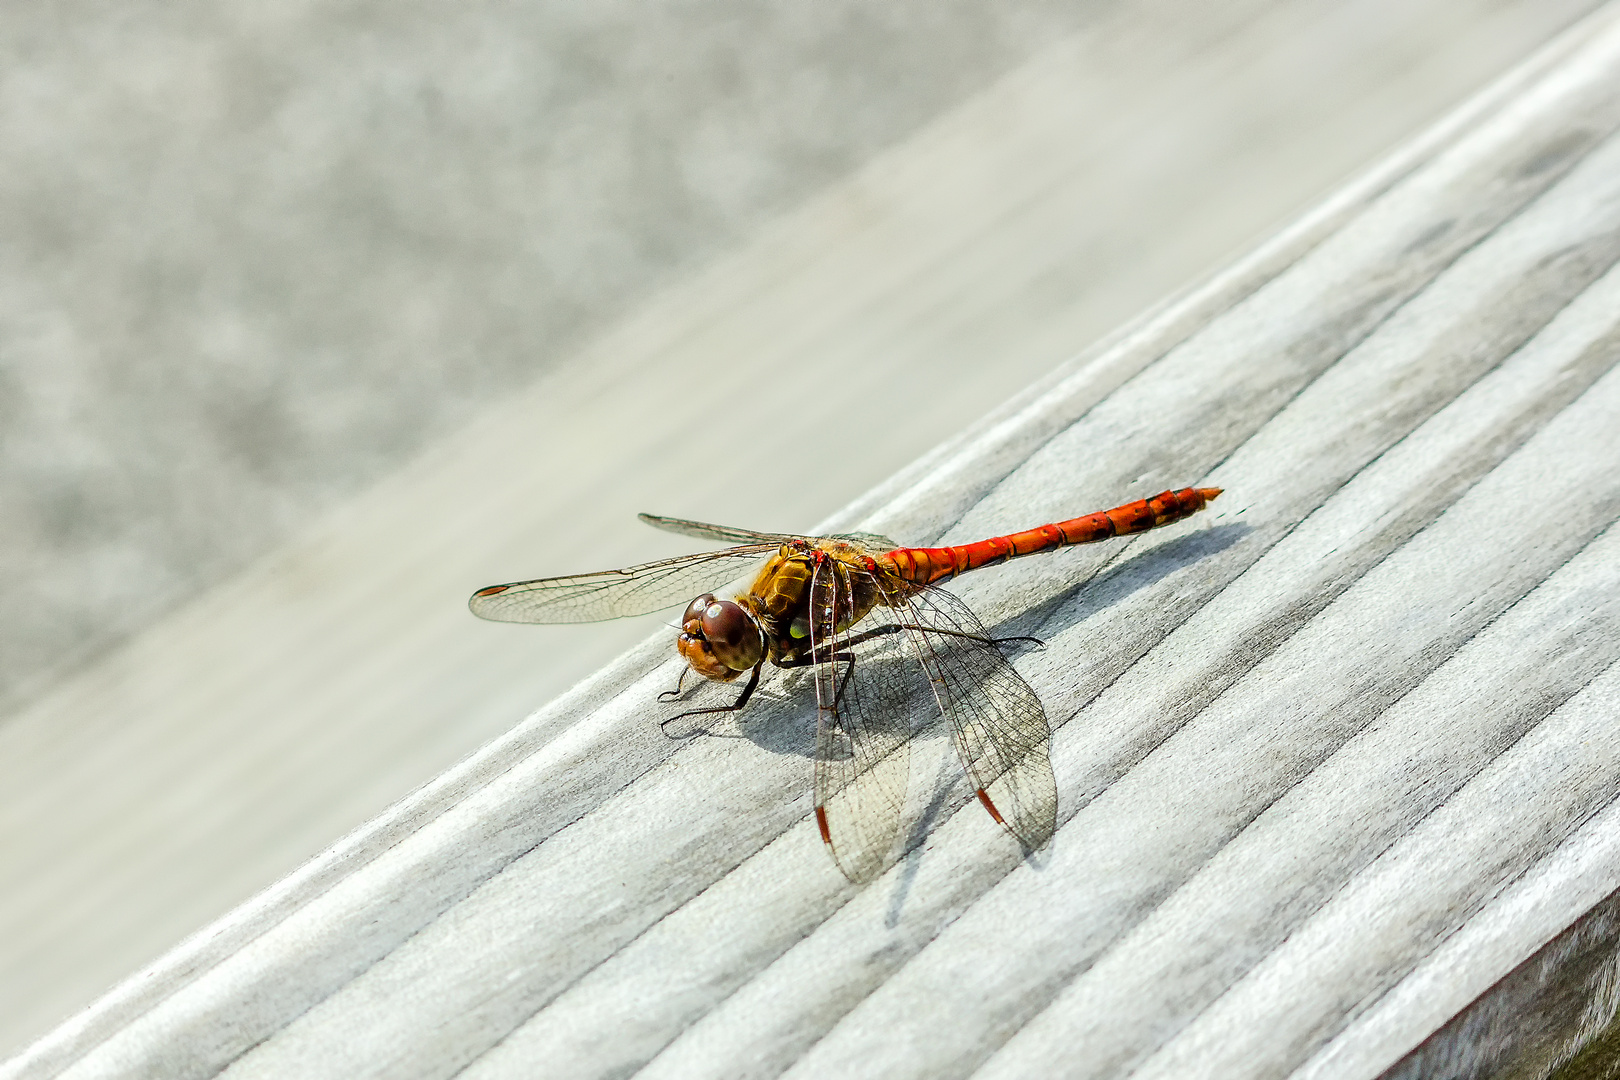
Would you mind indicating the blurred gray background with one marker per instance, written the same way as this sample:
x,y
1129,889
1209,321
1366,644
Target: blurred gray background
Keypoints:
x,y
256,254
274,273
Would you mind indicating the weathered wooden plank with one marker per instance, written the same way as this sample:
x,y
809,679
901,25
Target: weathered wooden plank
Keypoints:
x,y
1238,701
1356,530
1156,825
1432,201
338,675
663,818
1496,263
1317,841
1557,1006
1561,773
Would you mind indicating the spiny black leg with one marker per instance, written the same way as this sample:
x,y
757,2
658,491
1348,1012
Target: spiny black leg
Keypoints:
x,y
748,691
835,658
806,661
891,628
838,697
875,632
816,657
970,637
671,695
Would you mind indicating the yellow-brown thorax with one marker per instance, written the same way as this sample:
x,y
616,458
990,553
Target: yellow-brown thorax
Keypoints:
x,y
773,619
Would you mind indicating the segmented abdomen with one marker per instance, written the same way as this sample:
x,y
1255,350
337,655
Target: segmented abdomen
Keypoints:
x,y
926,566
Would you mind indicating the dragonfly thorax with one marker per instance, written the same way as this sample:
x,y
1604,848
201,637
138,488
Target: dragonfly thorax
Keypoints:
x,y
799,600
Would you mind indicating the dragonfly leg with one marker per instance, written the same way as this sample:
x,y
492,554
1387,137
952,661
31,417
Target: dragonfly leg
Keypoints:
x,y
877,632
671,695
892,628
865,635
838,697
742,699
836,658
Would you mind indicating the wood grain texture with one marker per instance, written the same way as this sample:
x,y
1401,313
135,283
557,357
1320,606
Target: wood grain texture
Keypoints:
x,y
150,792
1554,1013
1315,746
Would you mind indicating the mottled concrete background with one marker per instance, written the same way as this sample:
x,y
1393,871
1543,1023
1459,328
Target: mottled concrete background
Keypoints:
x,y
259,257
255,254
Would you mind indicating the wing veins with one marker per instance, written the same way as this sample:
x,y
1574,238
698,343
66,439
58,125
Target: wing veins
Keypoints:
x,y
614,594
996,720
862,761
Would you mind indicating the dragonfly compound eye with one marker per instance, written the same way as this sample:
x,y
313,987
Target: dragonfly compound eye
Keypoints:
x,y
732,634
694,610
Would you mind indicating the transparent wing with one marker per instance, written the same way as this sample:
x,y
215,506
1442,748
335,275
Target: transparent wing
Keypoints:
x,y
723,533
728,535
995,717
614,594
862,761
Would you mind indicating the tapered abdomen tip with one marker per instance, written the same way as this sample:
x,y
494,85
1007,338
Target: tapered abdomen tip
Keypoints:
x,y
1210,493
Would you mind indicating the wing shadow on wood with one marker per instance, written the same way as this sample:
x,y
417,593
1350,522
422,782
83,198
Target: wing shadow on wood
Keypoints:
x,y
787,723
911,857
781,718
1103,590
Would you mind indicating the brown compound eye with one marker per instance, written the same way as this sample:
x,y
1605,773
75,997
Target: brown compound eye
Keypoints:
x,y
732,634
694,610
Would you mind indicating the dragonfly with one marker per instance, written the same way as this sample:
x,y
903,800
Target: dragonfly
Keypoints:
x,y
872,623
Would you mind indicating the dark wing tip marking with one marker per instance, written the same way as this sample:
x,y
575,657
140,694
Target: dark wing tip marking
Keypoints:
x,y
490,590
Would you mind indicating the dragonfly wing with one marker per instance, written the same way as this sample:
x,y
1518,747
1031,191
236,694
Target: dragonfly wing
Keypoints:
x,y
995,717
614,594
725,534
862,760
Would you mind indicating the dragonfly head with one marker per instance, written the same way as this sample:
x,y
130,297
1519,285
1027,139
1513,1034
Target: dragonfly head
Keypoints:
x,y
720,639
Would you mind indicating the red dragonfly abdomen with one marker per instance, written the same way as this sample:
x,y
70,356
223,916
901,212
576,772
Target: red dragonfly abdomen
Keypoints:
x,y
926,566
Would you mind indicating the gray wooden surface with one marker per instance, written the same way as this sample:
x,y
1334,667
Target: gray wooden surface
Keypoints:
x,y
1557,1012
1334,757
144,795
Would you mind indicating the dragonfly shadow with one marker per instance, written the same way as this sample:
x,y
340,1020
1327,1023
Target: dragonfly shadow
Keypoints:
x,y
787,729
1118,582
780,723
893,688
911,861
781,718
948,798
